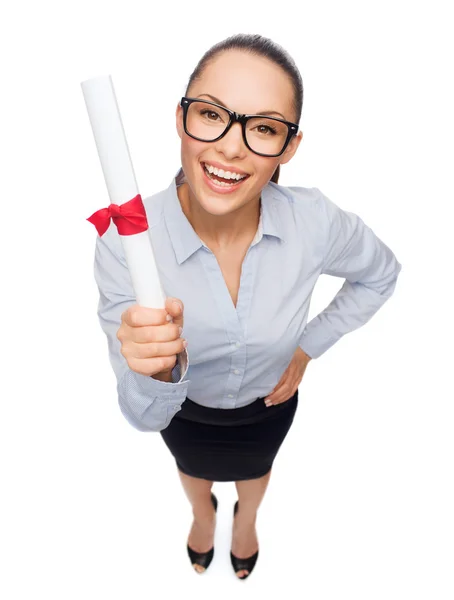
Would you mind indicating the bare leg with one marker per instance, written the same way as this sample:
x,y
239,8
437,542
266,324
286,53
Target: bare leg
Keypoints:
x,y
244,535
201,536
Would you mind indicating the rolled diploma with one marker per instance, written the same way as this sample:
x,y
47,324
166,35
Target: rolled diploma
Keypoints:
x,y
113,151
120,179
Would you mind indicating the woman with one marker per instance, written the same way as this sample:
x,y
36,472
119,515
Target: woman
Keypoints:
x,y
242,260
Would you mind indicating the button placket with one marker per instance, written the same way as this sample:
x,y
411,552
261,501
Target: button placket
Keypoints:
x,y
234,370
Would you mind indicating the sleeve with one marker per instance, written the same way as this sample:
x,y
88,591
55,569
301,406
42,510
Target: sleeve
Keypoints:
x,y
370,269
147,403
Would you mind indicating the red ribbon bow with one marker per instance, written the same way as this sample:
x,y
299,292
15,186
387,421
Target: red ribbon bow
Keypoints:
x,y
130,217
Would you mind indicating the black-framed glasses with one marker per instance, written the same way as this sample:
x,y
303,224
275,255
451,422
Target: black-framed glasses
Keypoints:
x,y
208,122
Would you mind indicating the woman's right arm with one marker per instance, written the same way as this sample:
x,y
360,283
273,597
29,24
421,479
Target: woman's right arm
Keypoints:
x,y
147,402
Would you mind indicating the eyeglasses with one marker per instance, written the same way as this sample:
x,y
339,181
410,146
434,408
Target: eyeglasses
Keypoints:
x,y
208,122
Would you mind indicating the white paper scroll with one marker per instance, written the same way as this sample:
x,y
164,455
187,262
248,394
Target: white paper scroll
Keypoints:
x,y
121,184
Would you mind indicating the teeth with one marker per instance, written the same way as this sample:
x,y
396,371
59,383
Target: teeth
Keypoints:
x,y
224,174
221,183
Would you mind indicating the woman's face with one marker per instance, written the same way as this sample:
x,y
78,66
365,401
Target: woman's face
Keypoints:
x,y
249,85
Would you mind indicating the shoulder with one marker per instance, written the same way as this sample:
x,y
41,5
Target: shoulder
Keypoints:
x,y
311,202
300,215
302,198
306,204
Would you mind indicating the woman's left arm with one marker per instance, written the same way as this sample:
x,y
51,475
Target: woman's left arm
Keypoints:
x,y
353,251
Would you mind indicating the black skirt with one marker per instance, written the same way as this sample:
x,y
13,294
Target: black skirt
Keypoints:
x,y
235,444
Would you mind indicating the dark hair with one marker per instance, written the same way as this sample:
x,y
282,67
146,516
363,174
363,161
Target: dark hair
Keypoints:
x,y
260,46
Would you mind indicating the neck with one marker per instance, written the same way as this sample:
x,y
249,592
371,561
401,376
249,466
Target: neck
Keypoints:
x,y
223,231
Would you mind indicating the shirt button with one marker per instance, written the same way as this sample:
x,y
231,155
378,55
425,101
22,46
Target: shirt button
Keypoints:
x,y
230,396
238,344
175,407
236,372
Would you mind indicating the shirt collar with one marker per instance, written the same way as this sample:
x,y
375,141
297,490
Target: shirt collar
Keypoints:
x,y
184,239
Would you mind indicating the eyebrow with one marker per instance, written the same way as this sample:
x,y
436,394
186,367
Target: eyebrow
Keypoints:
x,y
262,112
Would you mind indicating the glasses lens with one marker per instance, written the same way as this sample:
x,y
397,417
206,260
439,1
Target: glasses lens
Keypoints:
x,y
205,121
208,122
266,136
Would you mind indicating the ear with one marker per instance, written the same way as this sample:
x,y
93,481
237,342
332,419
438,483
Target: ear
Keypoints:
x,y
179,120
291,148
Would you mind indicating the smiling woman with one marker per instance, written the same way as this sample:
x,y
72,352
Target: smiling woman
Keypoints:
x,y
243,255
239,114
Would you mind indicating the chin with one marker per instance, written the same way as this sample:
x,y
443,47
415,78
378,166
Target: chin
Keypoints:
x,y
214,205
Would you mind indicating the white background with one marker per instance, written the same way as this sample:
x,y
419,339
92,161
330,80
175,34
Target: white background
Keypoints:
x,y
359,505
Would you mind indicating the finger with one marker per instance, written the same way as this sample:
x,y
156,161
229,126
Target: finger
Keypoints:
x,y
273,399
272,402
152,350
277,400
175,309
157,333
277,397
138,316
157,364
278,387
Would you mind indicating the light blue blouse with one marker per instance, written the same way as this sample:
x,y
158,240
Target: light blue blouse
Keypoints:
x,y
236,355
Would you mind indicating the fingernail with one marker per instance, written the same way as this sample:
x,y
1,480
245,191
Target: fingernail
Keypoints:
x,y
180,330
169,318
176,304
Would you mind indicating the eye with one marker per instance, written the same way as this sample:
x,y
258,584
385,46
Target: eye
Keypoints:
x,y
272,130
209,112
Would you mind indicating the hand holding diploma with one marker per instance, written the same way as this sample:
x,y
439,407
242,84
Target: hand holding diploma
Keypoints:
x,y
149,342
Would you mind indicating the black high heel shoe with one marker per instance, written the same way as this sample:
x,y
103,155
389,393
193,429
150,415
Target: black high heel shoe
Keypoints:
x,y
240,564
203,558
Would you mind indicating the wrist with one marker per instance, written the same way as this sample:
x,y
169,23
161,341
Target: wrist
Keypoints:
x,y
305,356
165,376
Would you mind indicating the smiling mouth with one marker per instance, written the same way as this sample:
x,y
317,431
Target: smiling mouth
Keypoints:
x,y
222,182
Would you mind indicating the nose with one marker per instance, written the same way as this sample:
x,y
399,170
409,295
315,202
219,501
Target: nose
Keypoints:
x,y
232,144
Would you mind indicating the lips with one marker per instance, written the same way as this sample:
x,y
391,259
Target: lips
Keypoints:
x,y
221,189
